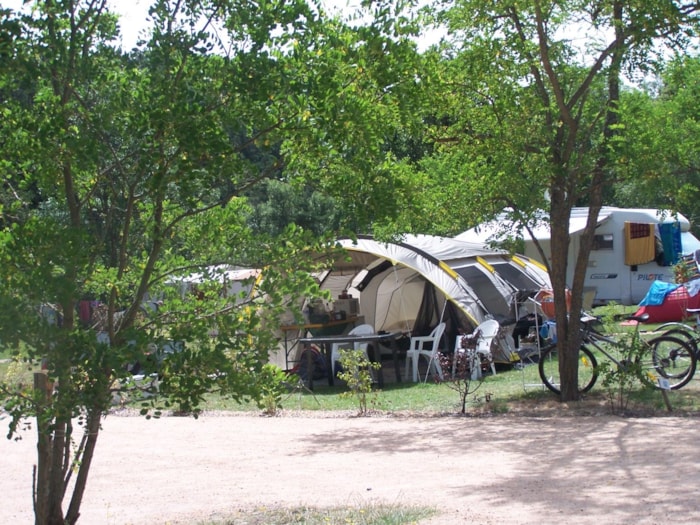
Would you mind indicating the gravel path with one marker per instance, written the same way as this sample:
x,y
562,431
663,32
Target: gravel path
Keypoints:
x,y
487,470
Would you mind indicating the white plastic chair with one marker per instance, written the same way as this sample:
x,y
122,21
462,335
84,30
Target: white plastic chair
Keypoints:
x,y
485,334
361,329
428,347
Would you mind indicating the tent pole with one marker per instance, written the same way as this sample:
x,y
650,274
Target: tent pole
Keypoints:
x,y
403,311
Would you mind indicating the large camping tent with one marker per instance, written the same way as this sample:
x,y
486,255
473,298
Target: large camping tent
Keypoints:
x,y
412,284
409,286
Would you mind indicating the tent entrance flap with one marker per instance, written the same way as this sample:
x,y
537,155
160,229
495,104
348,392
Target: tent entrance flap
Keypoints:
x,y
431,313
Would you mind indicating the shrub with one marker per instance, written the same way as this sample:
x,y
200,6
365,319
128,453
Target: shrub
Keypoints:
x,y
273,382
467,377
357,373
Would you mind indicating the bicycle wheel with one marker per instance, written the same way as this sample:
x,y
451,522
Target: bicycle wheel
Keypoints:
x,y
673,359
684,334
674,325
549,369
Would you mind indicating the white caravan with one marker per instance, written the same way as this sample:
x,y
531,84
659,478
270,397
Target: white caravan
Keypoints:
x,y
615,272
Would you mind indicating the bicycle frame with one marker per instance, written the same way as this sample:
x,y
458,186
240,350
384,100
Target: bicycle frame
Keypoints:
x,y
594,338
670,364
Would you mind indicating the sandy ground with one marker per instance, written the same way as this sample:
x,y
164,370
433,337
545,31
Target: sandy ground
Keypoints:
x,y
486,470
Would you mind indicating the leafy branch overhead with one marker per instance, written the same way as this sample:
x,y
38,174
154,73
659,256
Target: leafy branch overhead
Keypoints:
x,y
125,172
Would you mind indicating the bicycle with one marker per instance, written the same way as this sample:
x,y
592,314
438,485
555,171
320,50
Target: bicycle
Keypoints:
x,y
690,334
666,361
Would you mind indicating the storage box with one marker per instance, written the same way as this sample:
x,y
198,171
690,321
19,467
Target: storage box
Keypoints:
x,y
351,307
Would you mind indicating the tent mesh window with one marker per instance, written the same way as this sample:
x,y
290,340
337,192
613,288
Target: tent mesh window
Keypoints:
x,y
489,296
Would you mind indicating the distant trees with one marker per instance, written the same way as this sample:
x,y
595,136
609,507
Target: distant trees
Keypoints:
x,y
660,157
277,204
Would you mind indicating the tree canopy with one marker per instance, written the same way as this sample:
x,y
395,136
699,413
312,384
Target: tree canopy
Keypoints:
x,y
660,155
124,171
527,118
241,133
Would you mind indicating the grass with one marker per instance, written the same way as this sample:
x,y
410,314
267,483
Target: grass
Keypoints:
x,y
359,515
507,385
509,391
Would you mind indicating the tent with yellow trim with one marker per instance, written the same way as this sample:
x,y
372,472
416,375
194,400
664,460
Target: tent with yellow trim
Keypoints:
x,y
413,284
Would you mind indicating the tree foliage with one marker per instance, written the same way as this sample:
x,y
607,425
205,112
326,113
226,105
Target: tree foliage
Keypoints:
x,y
122,172
660,155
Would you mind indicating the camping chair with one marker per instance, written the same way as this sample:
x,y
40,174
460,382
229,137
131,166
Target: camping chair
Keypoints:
x,y
362,329
426,346
484,334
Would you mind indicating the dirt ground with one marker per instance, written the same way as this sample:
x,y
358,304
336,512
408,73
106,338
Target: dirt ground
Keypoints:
x,y
509,469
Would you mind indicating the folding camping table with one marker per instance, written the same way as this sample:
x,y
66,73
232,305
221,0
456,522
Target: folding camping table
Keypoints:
x,y
333,327
325,342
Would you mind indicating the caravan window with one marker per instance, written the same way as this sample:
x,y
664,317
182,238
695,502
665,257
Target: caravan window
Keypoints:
x,y
603,242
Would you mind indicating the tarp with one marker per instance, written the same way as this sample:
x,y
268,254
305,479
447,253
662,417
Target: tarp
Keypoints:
x,y
657,293
412,284
673,307
235,282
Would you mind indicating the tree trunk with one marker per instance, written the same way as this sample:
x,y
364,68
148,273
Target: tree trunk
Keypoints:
x,y
54,462
92,428
560,213
42,469
49,485
56,489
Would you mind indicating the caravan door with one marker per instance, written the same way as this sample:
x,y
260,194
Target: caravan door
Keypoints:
x,y
606,272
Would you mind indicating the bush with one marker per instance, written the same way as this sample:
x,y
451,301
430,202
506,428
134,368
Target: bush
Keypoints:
x,y
357,373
